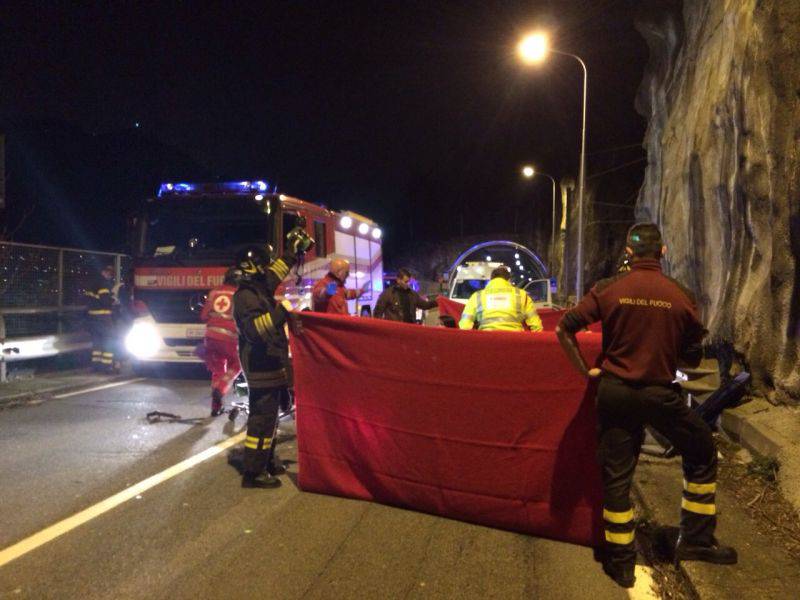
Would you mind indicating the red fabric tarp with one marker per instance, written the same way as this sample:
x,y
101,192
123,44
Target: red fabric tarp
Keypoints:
x,y
493,428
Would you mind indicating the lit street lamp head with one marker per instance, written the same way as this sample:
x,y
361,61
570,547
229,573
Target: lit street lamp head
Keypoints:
x,y
528,171
533,48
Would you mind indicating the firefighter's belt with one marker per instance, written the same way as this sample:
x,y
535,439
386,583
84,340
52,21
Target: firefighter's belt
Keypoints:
x,y
100,312
267,379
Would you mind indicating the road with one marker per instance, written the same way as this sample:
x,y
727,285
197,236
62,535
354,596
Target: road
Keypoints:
x,y
198,534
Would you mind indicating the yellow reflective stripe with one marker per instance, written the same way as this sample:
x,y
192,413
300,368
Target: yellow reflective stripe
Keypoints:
x,y
698,507
108,354
252,442
699,488
103,291
279,268
266,321
90,294
259,326
105,361
100,312
96,353
618,517
619,538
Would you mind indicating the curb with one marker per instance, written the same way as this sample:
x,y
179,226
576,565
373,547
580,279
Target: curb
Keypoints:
x,y
25,397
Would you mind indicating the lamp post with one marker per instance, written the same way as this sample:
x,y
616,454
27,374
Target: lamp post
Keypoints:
x,y
528,172
533,49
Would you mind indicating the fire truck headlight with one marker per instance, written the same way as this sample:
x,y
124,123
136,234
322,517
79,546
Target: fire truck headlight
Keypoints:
x,y
346,222
377,233
363,229
143,340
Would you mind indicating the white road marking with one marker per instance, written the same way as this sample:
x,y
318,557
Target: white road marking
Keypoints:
x,y
50,533
99,387
644,588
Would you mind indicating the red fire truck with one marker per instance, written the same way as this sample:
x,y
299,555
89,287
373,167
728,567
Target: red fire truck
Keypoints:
x,y
187,236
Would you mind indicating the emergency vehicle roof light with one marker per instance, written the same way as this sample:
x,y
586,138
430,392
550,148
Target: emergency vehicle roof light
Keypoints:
x,y
240,187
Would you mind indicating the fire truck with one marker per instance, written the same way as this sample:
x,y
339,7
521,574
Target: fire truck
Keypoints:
x,y
186,237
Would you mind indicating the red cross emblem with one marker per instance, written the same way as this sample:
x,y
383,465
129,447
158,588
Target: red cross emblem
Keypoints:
x,y
222,304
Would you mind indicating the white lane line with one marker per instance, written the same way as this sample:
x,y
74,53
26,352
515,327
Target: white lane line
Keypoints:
x,y
645,587
76,520
99,387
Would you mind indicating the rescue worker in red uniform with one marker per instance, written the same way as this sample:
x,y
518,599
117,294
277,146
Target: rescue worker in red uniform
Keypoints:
x,y
330,295
100,303
650,324
264,353
221,340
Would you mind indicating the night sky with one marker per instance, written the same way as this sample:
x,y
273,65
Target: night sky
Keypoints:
x,y
408,112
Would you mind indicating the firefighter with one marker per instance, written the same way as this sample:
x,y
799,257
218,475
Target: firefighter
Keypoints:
x,y
330,295
263,350
500,306
399,302
650,323
221,353
100,302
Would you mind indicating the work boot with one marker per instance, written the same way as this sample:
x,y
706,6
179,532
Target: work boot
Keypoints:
x,y
262,480
622,574
216,403
276,467
713,553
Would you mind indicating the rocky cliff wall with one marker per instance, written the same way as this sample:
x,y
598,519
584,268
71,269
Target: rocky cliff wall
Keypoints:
x,y
722,96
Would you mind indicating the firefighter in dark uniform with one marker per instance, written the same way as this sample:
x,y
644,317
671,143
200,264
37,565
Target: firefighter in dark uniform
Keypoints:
x,y
100,303
263,351
650,324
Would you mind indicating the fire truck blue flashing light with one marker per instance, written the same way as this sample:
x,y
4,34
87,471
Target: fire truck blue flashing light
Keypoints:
x,y
240,187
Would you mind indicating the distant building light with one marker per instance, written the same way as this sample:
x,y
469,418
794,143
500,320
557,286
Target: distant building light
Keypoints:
x,y
488,258
516,255
259,197
363,229
345,222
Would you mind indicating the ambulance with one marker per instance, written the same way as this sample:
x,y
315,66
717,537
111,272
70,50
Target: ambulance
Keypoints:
x,y
187,235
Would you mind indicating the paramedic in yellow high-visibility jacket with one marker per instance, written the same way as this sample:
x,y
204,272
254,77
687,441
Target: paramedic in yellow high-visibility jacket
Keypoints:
x,y
500,306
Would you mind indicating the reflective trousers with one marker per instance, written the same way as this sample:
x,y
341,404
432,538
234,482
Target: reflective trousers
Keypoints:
x,y
623,410
259,445
222,360
101,328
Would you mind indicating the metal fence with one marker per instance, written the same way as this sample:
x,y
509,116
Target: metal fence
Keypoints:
x,y
42,296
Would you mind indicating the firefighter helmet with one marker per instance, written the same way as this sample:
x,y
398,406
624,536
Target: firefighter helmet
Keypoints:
x,y
253,260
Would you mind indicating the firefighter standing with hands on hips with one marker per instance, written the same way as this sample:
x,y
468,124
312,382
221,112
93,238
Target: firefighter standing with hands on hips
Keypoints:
x,y
264,352
500,306
330,294
650,323
221,353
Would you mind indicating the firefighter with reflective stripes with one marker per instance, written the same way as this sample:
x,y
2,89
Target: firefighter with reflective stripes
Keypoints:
x,y
220,346
500,306
263,351
100,302
650,324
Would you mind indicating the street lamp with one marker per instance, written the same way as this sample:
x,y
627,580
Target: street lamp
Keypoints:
x,y
533,49
529,172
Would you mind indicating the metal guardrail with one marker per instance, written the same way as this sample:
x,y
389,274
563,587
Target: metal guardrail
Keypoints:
x,y
41,298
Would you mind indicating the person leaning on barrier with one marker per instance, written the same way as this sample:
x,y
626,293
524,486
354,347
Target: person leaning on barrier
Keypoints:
x,y
650,323
500,306
399,302
100,303
263,352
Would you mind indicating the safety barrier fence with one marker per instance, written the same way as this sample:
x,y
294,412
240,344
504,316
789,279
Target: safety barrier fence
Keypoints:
x,y
42,310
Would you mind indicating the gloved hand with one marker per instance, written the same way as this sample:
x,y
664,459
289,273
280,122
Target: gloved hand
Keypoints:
x,y
298,241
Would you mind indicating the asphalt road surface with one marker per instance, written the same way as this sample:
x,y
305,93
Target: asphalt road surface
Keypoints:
x,y
198,534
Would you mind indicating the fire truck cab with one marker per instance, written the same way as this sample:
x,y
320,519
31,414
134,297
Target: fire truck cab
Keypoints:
x,y
187,236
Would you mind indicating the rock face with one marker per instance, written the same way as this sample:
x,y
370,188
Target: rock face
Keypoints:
x,y
722,96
